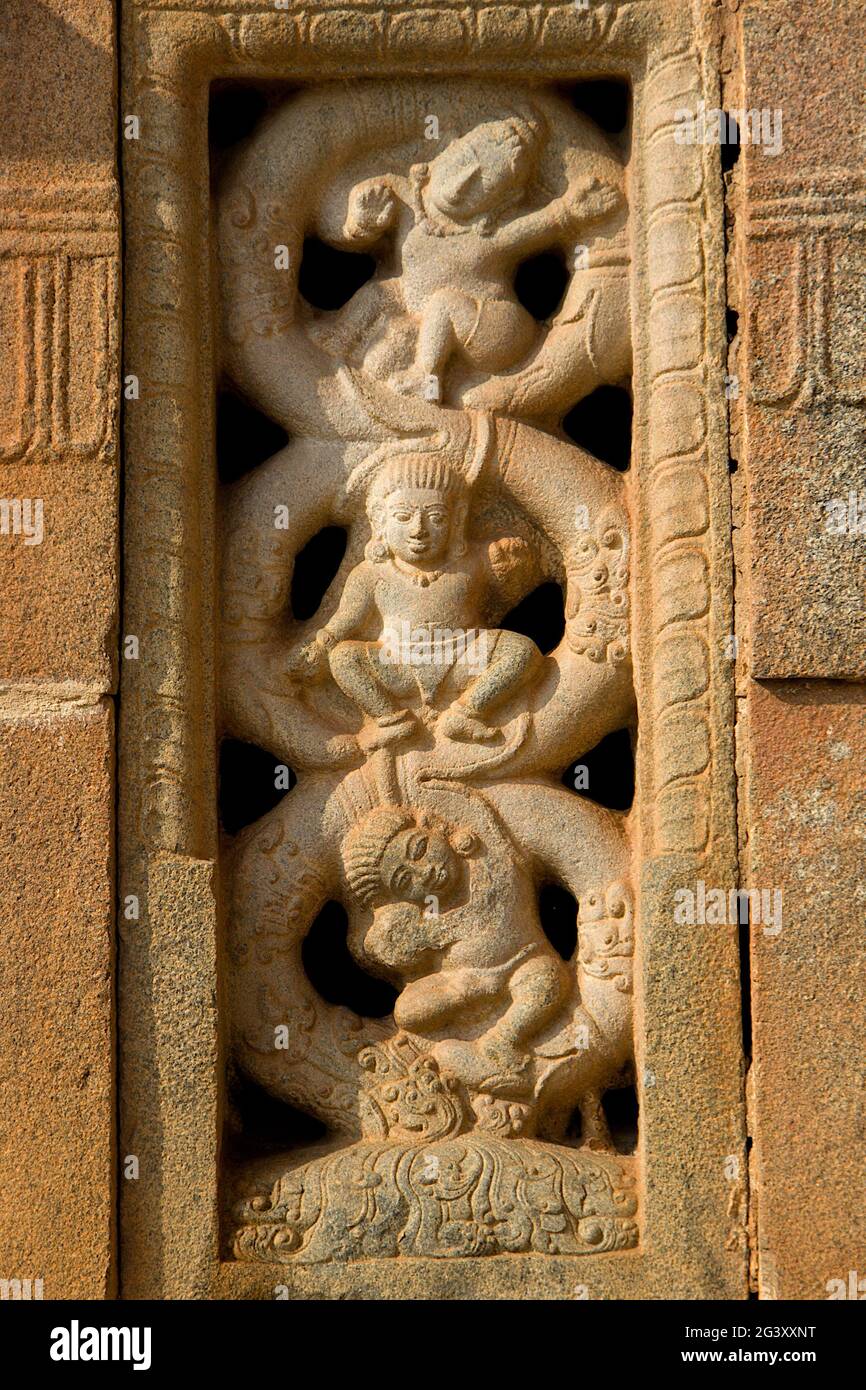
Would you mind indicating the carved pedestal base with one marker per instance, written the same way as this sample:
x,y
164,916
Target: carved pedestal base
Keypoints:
x,y
470,1195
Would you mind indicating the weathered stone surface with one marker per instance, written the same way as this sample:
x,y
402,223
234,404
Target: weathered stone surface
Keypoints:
x,y
56,984
168,1153
56,50
58,621
59,409
806,817
802,244
59,329
797,281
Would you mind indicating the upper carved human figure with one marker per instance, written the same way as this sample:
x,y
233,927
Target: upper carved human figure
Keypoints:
x,y
449,215
461,221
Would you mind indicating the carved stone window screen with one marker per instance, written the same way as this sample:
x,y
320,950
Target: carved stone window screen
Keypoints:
x,y
689,1062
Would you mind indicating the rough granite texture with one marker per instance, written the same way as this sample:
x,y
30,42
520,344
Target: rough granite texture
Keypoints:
x,y
802,245
59,412
56,984
806,814
800,249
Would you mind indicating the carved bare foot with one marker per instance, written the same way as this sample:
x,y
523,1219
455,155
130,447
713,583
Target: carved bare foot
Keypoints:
x,y
465,726
388,728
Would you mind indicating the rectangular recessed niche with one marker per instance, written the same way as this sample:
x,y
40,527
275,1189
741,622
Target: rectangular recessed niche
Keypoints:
x,y
427,546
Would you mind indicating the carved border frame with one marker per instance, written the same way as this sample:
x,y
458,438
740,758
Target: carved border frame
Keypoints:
x,y
689,1048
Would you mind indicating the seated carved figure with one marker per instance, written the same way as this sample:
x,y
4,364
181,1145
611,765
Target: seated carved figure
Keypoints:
x,y
459,249
432,931
410,622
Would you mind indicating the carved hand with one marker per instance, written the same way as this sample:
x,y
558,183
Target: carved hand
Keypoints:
x,y
590,199
310,661
371,210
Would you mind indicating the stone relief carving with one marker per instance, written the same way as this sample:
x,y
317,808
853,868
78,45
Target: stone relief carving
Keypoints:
x,y
428,737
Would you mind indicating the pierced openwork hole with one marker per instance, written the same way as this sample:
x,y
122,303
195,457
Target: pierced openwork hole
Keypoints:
x,y
328,277
541,616
557,912
251,783
262,1124
335,974
315,569
607,101
620,1115
540,283
235,110
601,423
244,437
606,773
620,1106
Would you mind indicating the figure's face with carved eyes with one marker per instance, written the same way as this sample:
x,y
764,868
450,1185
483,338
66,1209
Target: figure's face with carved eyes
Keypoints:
x,y
474,176
418,863
417,525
